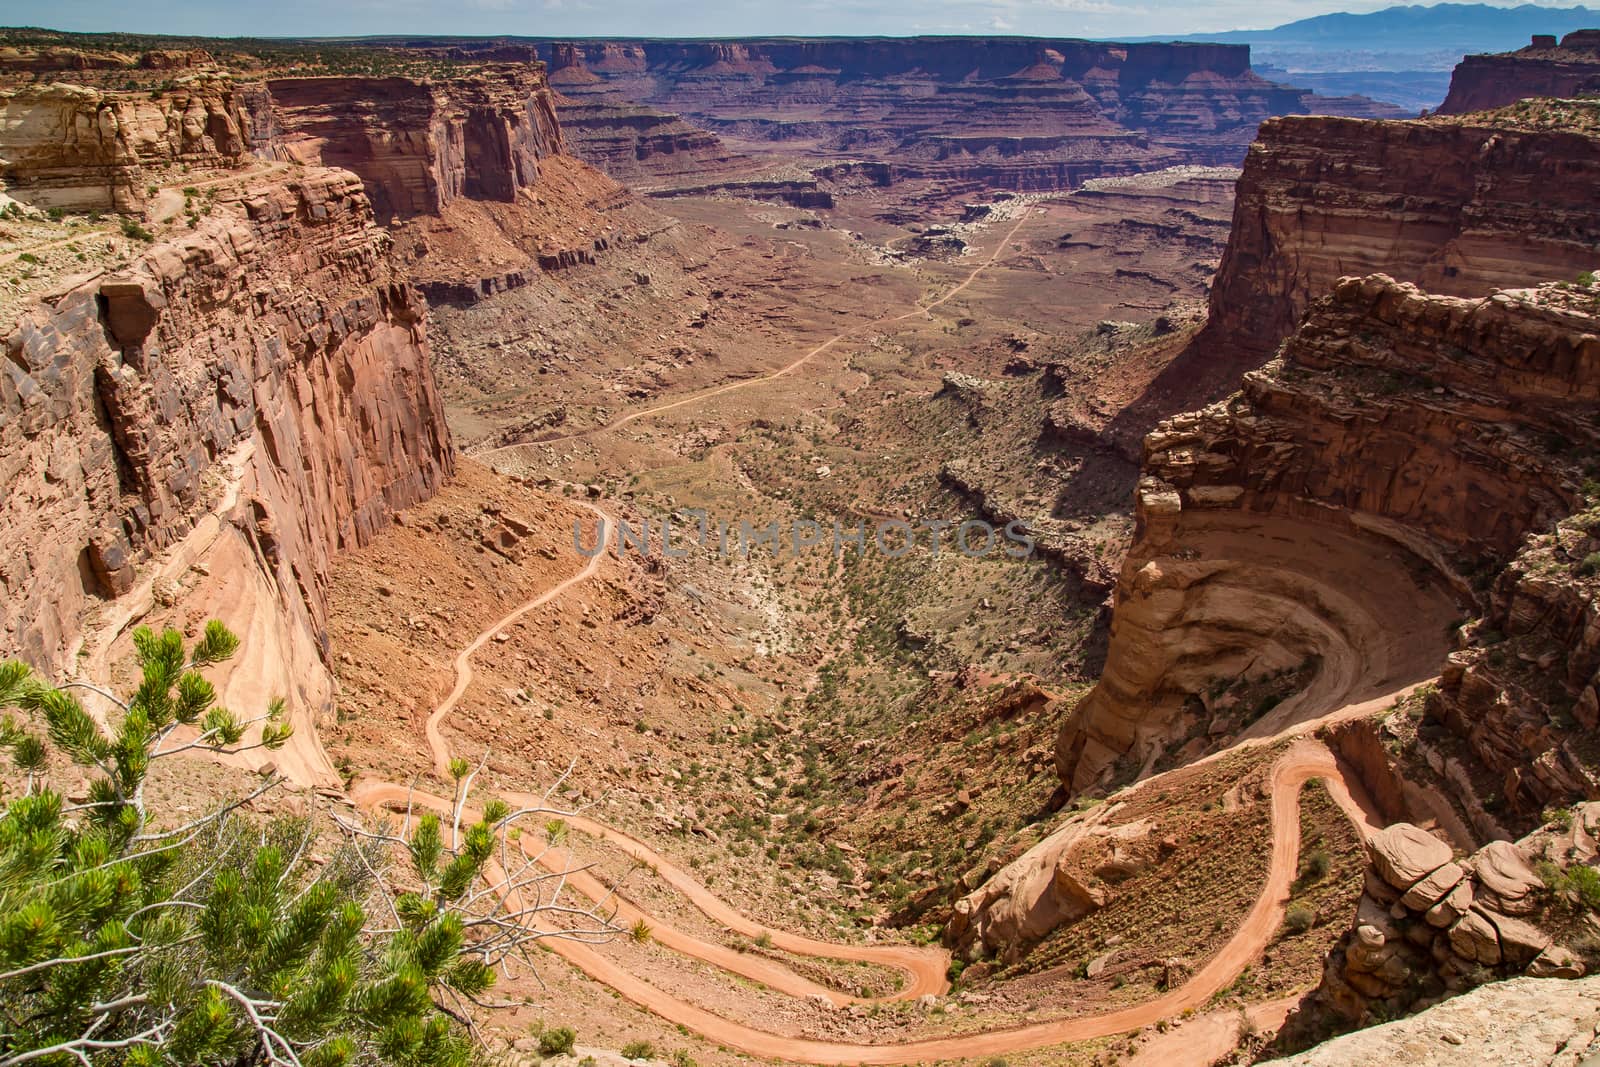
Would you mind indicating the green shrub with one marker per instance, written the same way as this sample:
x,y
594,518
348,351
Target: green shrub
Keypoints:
x,y
1590,564
557,1041
135,232
638,1050
135,936
1298,919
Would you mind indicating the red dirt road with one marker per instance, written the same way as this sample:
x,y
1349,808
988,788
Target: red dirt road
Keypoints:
x,y
1304,761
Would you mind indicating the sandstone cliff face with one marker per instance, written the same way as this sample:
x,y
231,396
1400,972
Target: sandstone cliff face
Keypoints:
x,y
1544,68
1019,114
419,145
248,400
1457,208
82,149
1335,517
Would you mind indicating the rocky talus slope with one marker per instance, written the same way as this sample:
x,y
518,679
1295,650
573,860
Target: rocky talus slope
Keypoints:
x,y
1543,68
242,402
84,149
1331,522
1458,207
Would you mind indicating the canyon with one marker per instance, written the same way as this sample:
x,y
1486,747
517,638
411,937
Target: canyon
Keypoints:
x,y
1283,729
1547,67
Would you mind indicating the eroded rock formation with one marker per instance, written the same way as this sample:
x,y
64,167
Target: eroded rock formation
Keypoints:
x,y
1429,924
1335,517
247,400
418,145
1009,113
1543,68
83,149
1457,207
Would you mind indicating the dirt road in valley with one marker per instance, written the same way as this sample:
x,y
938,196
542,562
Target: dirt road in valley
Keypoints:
x,y
746,383
1303,761
925,968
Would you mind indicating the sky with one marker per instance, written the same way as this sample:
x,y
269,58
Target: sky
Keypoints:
x,y
670,18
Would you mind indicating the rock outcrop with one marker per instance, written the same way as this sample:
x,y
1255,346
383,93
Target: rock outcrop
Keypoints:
x,y
421,144
1530,1022
1543,68
1459,207
1429,925
628,140
1524,694
84,149
215,422
1332,520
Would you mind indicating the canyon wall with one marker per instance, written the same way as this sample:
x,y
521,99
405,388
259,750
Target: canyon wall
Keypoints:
x,y
1457,207
421,144
628,140
1331,522
82,149
1022,114
212,424
1543,68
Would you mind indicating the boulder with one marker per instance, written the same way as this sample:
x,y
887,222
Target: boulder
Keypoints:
x,y
1474,937
1555,961
1404,854
1520,942
1433,887
1505,878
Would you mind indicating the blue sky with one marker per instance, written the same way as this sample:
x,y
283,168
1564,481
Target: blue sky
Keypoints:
x,y
670,18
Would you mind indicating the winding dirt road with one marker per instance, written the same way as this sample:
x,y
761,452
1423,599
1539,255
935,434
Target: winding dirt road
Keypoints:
x,y
746,383
925,968
1305,760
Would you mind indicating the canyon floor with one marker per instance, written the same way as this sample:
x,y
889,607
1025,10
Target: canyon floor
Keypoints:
x,y
794,743
657,522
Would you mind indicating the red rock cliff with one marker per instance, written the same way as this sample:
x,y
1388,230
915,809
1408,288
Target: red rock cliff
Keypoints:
x,y
82,149
1023,113
418,145
250,400
1459,208
1544,68
1312,539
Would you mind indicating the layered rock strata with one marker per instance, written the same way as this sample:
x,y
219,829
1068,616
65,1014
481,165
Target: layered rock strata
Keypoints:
x,y
1459,208
83,149
421,144
248,400
1023,114
1543,68
1333,519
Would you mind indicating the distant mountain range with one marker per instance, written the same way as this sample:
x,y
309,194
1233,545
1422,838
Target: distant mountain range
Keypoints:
x,y
1459,28
1401,54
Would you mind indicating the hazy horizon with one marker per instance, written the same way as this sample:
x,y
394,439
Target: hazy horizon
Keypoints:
x,y
657,18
